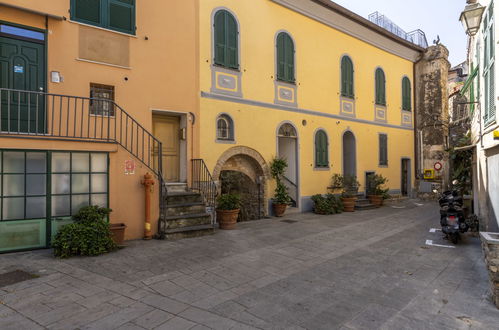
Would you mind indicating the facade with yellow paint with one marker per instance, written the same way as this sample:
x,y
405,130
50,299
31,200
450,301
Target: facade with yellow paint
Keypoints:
x,y
202,94
308,81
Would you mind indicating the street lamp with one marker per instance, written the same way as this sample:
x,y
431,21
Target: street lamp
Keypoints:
x,y
471,17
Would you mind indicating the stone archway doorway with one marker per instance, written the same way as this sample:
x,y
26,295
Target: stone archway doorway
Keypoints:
x,y
243,170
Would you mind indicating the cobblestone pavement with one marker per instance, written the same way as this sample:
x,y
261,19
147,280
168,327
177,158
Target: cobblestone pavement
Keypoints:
x,y
363,270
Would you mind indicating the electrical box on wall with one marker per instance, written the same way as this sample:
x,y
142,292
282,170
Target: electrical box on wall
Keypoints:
x,y
496,135
429,174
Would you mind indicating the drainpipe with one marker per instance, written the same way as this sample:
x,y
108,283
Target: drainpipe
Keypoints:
x,y
417,157
148,183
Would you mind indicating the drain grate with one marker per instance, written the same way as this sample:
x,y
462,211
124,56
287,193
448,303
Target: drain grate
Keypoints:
x,y
289,221
15,277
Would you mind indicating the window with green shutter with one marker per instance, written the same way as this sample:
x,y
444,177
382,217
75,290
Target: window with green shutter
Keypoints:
x,y
380,84
285,58
489,115
118,15
406,94
347,77
321,149
383,150
226,40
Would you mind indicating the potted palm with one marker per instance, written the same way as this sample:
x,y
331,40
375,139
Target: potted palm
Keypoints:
x,y
228,210
281,197
350,187
376,192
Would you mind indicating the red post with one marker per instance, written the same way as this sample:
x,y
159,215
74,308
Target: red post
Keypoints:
x,y
148,183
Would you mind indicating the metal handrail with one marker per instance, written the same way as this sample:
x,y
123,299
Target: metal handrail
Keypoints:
x,y
40,114
203,182
289,180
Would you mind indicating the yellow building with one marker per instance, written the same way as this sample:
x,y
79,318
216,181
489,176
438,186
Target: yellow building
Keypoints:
x,y
308,81
202,94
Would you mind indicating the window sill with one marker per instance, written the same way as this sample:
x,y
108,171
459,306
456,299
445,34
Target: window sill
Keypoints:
x,y
104,63
383,166
348,97
225,141
103,29
489,124
226,67
286,81
380,104
322,169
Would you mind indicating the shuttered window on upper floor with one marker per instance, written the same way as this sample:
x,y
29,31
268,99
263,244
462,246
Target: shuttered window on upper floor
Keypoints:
x,y
321,149
380,84
285,58
347,77
226,41
383,150
406,94
489,115
118,15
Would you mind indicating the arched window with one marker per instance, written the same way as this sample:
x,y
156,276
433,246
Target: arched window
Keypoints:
x,y
225,128
406,94
380,87
287,130
321,149
285,58
347,77
226,40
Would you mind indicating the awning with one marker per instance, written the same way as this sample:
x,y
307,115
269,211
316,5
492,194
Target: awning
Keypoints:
x,y
468,81
36,12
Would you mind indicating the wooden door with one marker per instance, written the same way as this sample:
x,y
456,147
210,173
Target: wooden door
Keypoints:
x,y
167,130
405,177
22,66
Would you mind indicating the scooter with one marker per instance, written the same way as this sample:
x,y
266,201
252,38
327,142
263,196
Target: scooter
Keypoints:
x,y
452,215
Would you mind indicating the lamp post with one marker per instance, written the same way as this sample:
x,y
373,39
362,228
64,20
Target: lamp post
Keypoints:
x,y
471,17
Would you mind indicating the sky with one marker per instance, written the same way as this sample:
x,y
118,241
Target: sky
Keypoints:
x,y
434,17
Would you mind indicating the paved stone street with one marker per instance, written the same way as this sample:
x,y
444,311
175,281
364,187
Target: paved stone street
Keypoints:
x,y
365,270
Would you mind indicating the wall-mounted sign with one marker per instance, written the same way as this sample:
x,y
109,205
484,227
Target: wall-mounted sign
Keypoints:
x,y
18,69
429,174
438,166
496,135
129,167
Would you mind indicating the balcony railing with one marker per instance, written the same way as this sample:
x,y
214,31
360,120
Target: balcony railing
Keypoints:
x,y
45,115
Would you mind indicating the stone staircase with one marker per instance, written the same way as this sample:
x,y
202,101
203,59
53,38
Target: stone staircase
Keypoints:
x,y
363,203
186,214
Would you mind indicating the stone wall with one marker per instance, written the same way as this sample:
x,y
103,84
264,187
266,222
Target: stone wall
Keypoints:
x,y
432,113
491,250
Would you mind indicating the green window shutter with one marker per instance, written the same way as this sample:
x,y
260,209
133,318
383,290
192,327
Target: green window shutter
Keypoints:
x,y
122,15
380,87
321,152
285,58
347,77
406,94
232,42
492,105
220,40
383,149
87,11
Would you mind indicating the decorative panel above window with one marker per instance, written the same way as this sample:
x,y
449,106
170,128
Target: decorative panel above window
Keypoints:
x,y
321,150
285,58
118,15
347,77
226,40
380,86
406,94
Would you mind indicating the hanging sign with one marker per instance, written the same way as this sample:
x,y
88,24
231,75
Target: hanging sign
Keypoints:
x,y
18,69
129,167
438,166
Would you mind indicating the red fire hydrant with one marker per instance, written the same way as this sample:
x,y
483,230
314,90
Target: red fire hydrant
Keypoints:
x,y
148,183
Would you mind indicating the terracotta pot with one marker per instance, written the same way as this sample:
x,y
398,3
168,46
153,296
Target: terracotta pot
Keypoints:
x,y
227,219
348,203
117,232
376,200
279,209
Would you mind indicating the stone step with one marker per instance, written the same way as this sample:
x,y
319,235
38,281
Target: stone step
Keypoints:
x,y
187,220
362,207
189,232
183,197
362,201
176,186
185,208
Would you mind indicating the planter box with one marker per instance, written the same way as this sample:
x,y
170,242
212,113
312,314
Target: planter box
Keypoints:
x,y
490,245
118,232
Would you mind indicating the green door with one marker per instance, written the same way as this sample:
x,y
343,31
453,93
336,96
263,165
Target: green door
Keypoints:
x,y
22,67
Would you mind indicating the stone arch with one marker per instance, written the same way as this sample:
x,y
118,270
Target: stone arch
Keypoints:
x,y
251,165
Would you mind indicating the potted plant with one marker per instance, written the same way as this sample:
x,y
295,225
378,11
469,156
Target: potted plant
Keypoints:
x,y
336,184
350,187
281,197
228,210
376,193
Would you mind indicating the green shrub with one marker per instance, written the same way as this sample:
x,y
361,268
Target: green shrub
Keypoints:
x,y
281,195
277,169
375,184
327,204
89,235
228,202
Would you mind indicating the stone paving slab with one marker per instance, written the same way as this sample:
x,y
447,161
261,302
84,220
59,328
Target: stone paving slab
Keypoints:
x,y
362,270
